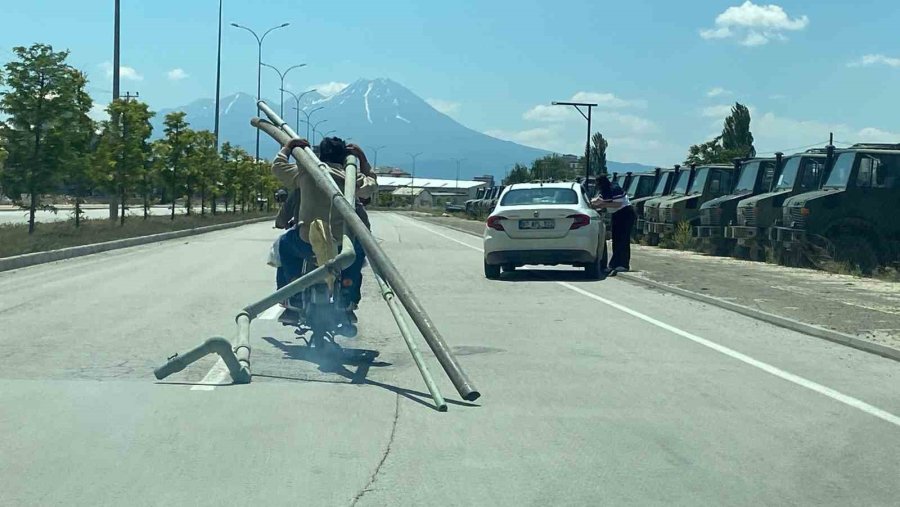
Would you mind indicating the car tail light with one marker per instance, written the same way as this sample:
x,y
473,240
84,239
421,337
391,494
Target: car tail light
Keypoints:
x,y
580,221
494,223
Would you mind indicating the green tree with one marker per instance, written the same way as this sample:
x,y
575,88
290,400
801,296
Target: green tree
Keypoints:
x,y
203,165
79,143
152,177
598,153
41,101
736,141
230,160
518,174
125,148
552,167
178,138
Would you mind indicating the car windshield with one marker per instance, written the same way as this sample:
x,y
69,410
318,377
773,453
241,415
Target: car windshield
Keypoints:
x,y
789,174
699,181
840,173
681,185
748,178
541,196
661,184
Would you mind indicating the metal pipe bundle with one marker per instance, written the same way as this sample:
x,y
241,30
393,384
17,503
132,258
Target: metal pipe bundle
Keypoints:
x,y
306,158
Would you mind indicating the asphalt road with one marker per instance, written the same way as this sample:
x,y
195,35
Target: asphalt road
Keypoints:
x,y
593,392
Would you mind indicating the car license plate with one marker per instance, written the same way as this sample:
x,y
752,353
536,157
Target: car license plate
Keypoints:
x,y
537,224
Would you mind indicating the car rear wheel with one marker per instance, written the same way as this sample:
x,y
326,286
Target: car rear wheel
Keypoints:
x,y
595,270
491,271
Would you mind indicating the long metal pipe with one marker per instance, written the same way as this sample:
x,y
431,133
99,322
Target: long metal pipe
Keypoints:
x,y
388,296
377,257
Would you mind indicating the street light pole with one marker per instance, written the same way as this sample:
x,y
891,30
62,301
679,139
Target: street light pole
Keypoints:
x,y
297,99
308,115
587,146
314,127
458,161
376,149
259,42
113,206
412,184
283,75
218,78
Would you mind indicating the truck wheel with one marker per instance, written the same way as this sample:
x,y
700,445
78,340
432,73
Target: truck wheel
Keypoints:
x,y
854,251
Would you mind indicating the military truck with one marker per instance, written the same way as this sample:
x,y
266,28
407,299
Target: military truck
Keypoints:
x,y
755,176
801,172
663,182
470,204
709,181
652,217
852,219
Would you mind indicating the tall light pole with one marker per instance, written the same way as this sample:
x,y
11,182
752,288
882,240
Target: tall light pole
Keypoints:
x,y
376,149
113,206
259,42
308,115
412,184
282,75
218,78
324,135
458,161
297,99
314,128
587,146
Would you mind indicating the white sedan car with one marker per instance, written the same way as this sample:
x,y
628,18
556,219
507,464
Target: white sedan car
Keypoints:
x,y
549,224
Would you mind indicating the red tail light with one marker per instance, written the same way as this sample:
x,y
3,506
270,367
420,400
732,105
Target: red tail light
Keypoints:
x,y
579,221
494,223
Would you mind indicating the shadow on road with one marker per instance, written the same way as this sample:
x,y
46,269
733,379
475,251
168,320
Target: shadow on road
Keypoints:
x,y
545,275
336,361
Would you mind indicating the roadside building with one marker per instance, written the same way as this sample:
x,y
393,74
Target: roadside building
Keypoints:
x,y
413,196
453,191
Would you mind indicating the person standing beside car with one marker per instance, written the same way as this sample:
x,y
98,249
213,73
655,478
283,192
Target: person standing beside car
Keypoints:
x,y
611,197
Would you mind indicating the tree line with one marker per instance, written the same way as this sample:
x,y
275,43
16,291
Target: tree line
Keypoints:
x,y
49,144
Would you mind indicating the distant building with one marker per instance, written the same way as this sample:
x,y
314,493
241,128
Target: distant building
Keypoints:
x,y
487,179
417,197
394,172
574,161
457,192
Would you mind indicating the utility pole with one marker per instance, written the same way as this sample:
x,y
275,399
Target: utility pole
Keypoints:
x,y
587,147
412,184
297,99
218,78
113,207
308,115
458,161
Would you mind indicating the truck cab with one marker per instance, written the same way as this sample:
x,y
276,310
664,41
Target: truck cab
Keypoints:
x,y
663,182
755,176
470,204
801,172
652,208
709,181
635,186
852,219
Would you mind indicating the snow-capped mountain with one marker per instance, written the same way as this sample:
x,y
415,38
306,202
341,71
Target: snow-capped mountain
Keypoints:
x,y
377,112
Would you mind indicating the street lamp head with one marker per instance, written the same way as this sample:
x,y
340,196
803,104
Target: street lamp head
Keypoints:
x,y
236,25
284,25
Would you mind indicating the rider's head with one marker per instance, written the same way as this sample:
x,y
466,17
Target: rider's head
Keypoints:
x,y
333,150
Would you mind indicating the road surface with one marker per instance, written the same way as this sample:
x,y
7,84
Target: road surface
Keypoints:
x,y
593,392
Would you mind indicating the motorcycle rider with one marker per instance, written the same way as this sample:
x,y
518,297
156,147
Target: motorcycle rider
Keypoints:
x,y
295,245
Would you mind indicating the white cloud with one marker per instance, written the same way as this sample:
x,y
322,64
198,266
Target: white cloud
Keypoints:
x,y
176,74
717,91
329,89
720,111
754,25
98,112
869,60
773,132
625,122
126,73
606,100
445,106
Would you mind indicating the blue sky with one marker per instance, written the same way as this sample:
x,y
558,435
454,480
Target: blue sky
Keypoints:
x,y
662,71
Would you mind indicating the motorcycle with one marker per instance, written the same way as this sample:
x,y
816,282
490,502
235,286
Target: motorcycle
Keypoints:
x,y
322,311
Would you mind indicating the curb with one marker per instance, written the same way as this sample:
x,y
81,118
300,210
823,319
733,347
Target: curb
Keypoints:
x,y
776,320
32,259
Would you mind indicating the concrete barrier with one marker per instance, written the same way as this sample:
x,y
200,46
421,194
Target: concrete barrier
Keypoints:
x,y
25,260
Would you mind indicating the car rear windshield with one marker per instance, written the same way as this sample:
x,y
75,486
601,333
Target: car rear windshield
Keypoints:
x,y
539,197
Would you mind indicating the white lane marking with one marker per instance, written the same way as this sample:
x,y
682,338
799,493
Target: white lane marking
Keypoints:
x,y
218,375
271,314
768,368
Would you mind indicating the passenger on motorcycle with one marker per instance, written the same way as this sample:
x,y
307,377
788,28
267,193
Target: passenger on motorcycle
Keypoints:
x,y
294,245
